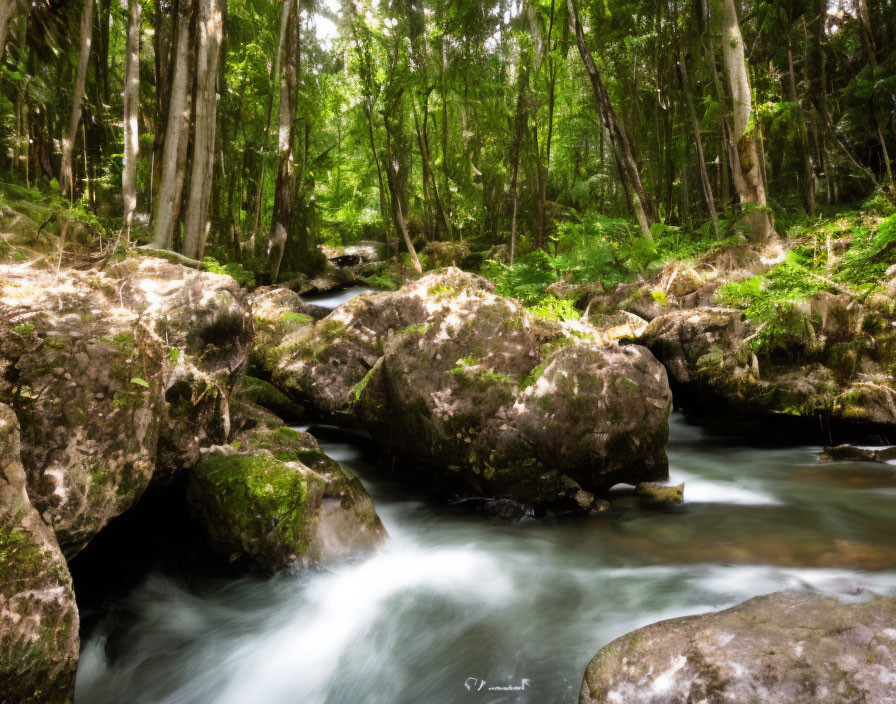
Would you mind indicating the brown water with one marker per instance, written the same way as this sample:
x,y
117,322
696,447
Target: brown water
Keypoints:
x,y
454,600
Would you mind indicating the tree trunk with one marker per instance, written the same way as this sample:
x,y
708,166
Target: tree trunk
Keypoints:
x,y
210,32
807,182
705,184
284,190
66,174
274,80
519,131
393,176
746,167
131,101
622,145
7,8
175,135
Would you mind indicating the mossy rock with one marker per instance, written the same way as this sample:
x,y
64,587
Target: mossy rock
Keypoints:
x,y
273,500
653,495
266,395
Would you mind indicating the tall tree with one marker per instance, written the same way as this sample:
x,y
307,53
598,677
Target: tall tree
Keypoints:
x,y
210,25
66,173
746,166
175,138
131,104
623,150
285,189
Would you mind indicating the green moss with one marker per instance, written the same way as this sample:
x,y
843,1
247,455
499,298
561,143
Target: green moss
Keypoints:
x,y
25,329
416,329
361,386
296,318
255,506
471,373
442,291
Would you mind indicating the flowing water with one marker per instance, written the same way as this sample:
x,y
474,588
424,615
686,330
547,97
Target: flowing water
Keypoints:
x,y
456,605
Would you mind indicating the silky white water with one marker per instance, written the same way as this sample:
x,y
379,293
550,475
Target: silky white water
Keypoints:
x,y
456,605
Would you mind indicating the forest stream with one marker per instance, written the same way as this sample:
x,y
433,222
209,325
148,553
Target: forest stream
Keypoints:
x,y
454,599
459,608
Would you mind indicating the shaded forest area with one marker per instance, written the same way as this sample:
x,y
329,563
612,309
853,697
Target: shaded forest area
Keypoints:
x,y
584,137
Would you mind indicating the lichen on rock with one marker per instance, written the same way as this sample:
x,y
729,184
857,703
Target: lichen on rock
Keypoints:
x,y
793,647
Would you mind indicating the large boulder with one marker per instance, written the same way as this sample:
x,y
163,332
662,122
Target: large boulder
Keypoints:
x,y
117,379
282,318
829,359
327,362
38,616
792,647
484,397
272,499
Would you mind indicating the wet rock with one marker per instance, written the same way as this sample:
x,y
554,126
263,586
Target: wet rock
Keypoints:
x,y
38,616
854,453
786,647
116,379
272,500
486,399
653,495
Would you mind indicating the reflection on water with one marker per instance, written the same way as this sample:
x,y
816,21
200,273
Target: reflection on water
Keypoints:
x,y
453,599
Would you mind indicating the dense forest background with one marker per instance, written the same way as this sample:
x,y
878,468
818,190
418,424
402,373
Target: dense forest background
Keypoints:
x,y
585,136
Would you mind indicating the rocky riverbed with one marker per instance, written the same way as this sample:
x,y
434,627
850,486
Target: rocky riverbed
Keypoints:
x,y
151,380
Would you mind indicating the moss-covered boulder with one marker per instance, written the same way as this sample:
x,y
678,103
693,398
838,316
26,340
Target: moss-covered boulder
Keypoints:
x,y
324,366
829,357
483,397
272,500
793,647
38,616
654,495
501,404
117,378
282,319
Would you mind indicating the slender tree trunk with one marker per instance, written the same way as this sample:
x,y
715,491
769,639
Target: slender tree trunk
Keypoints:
x,y
519,131
284,190
165,21
66,173
816,70
131,103
210,33
807,182
705,183
747,168
870,48
274,80
167,200
393,176
622,146
7,8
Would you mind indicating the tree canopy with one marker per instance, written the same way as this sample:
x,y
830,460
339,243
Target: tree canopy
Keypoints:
x,y
252,131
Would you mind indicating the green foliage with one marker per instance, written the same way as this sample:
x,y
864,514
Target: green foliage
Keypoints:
x,y
872,252
527,280
772,302
552,308
382,282
233,269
